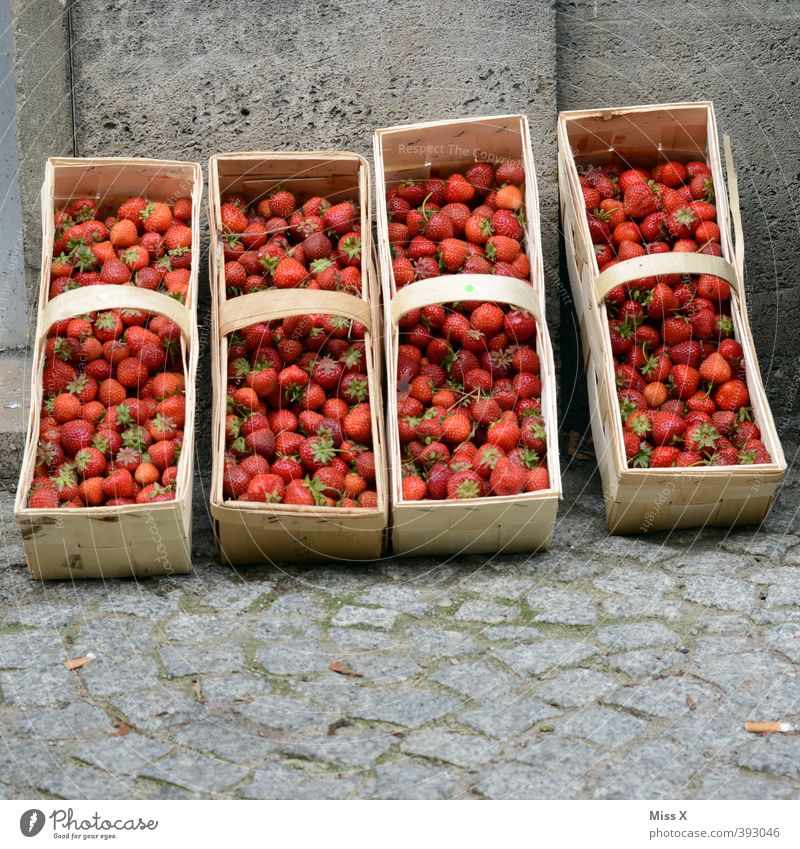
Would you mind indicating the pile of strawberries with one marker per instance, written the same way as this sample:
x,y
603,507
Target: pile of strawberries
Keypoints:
x,y
680,373
470,223
469,390
273,243
113,411
146,244
299,427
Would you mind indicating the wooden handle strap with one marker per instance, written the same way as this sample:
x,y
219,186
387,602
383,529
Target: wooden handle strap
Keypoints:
x,y
465,287
667,263
272,304
735,210
94,298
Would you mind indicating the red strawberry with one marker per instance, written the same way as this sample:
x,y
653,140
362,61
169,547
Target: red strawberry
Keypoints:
x,y
507,478
732,395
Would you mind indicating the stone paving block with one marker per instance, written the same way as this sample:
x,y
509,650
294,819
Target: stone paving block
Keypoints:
x,y
785,639
644,551
139,599
358,750
459,748
77,719
479,680
559,756
204,627
409,708
477,610
545,655
411,781
575,687
103,677
490,584
225,690
23,649
603,726
434,644
302,604
206,775
83,782
127,754
724,593
518,781
48,685
562,607
733,671
279,712
784,594
384,668
349,639
637,635
645,663
152,710
621,580
24,760
661,769
368,617
507,717
293,657
226,739
635,605
776,755
113,638
666,697
727,783
43,616
760,544
410,600
279,781
237,596
517,633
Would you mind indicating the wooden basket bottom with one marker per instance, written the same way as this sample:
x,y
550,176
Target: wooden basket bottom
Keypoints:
x,y
246,537
425,528
128,545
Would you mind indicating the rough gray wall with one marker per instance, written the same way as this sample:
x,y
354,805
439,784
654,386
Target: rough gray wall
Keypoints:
x,y
44,112
309,75
744,57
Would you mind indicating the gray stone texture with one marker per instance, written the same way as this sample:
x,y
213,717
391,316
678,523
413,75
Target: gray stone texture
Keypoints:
x,y
608,667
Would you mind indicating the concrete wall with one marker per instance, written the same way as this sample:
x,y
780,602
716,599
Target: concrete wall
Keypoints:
x,y
13,319
187,80
44,111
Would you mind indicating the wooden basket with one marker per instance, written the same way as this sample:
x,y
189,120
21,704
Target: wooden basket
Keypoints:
x,y
640,500
482,525
255,533
108,542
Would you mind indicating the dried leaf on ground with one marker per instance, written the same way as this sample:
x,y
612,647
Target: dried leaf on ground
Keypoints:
x,y
78,662
338,666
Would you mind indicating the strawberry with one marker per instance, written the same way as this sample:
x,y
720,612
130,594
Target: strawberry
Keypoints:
x,y
507,478
157,217
667,428
732,395
715,369
640,200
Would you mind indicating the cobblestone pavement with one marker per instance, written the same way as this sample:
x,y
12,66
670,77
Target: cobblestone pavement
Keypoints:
x,y
607,667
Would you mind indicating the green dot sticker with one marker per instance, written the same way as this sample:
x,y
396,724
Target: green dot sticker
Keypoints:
x,y
470,287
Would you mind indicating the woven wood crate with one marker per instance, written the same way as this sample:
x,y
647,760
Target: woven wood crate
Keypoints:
x,y
256,533
108,542
640,500
483,525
